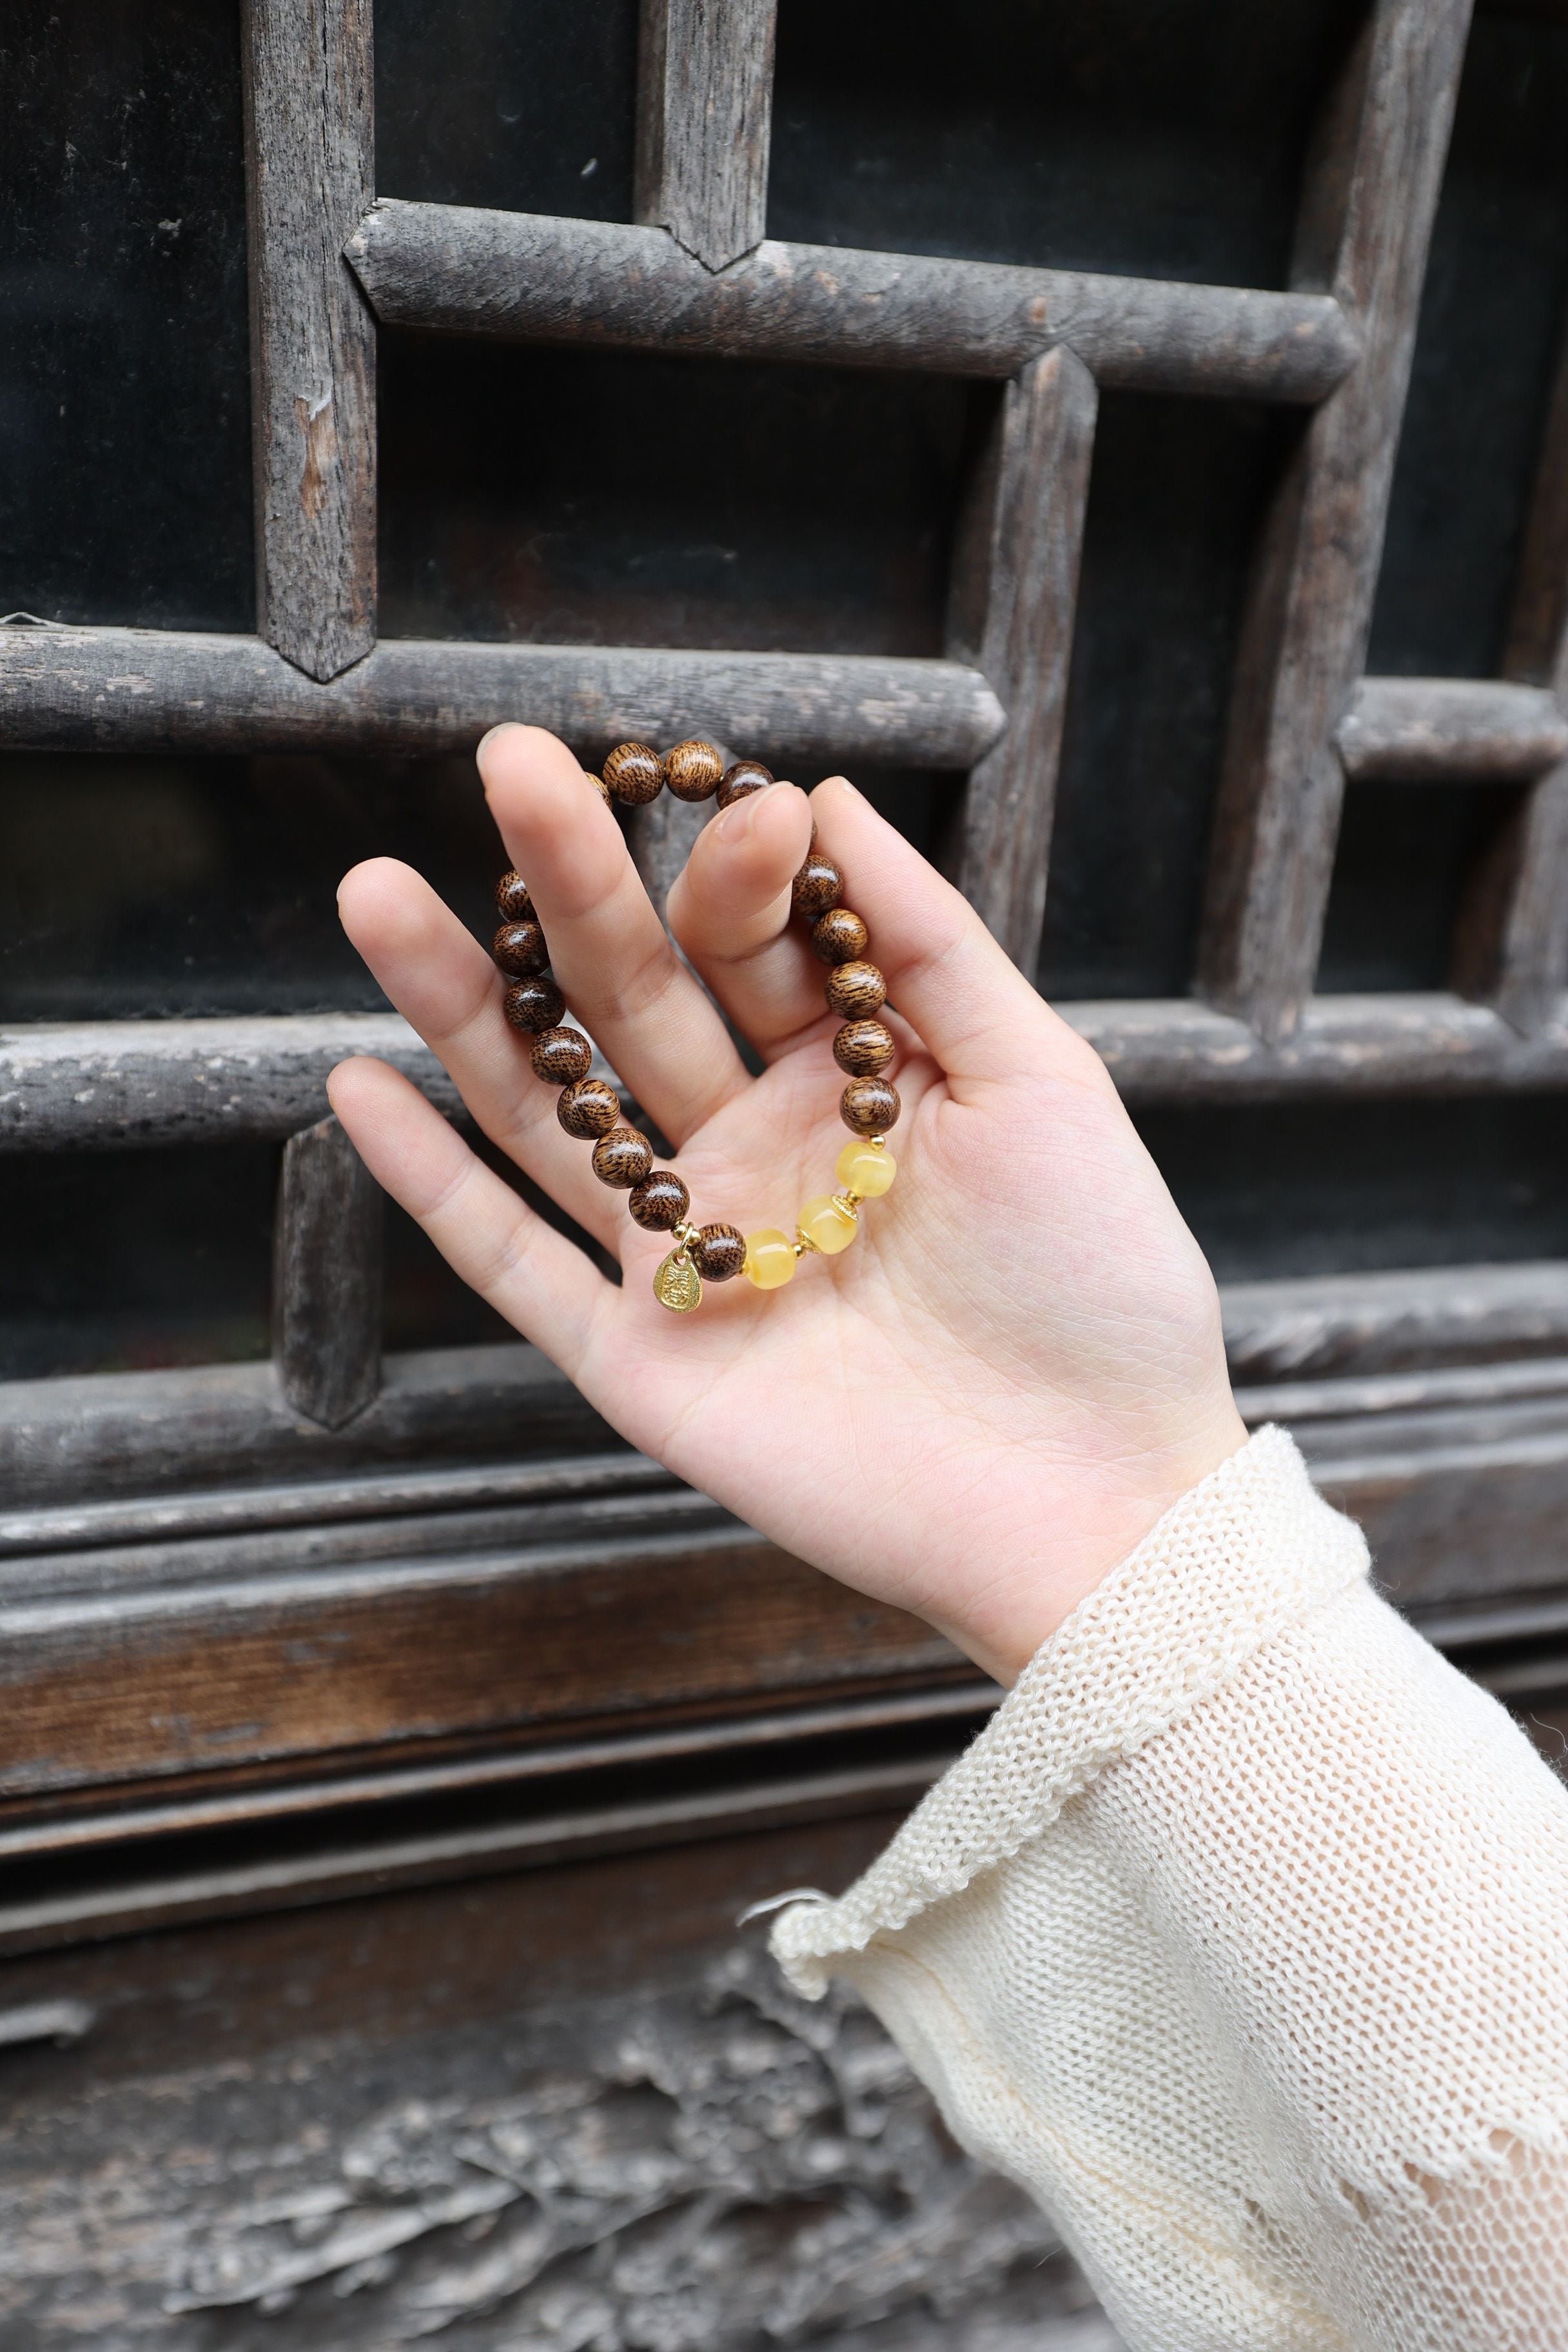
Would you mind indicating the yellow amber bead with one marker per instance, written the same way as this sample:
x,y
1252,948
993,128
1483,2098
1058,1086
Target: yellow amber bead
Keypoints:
x,y
861,1169
828,1226
770,1259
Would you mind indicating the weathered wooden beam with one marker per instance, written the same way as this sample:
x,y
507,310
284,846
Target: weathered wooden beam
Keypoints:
x,y
1439,729
535,279
309,95
123,689
106,1085
1363,236
100,1436
1324,1326
326,1277
1512,944
1177,1050
705,87
1014,600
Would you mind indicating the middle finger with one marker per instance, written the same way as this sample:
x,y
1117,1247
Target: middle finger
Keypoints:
x,y
607,947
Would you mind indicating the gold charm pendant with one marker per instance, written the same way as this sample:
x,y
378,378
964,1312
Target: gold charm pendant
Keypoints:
x,y
678,1284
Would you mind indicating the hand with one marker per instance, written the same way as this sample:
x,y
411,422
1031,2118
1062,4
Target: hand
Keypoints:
x,y
991,1396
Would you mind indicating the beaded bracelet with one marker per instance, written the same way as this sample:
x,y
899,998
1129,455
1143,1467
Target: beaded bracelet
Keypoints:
x,y
590,1109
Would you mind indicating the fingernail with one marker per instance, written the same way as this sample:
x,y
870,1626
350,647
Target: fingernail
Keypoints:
x,y
738,818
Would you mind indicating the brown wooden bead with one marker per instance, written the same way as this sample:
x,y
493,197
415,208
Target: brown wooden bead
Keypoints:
x,y
560,1055
622,1159
600,786
634,773
869,1105
660,1202
535,1003
863,1047
512,902
818,886
838,937
856,990
520,949
720,1251
693,770
745,776
590,1107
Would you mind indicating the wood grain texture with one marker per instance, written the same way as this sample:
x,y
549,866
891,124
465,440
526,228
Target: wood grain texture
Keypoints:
x,y
370,1649
534,278
1436,730
705,87
1176,1050
106,1085
326,1277
99,1435
1015,594
1322,1326
546,2100
123,689
1512,949
309,95
1362,236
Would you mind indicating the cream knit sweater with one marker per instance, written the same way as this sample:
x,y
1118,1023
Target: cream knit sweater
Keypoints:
x,y
1240,1939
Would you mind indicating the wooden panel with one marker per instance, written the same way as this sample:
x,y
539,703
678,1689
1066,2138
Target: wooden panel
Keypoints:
x,y
1512,945
1363,236
310,94
121,689
705,86
167,1679
1013,598
326,1277
1437,729
537,279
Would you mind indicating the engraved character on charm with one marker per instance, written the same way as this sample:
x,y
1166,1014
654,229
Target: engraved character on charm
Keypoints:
x,y
678,1283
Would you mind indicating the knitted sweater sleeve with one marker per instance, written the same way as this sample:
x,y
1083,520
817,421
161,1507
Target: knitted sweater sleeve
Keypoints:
x,y
1240,1940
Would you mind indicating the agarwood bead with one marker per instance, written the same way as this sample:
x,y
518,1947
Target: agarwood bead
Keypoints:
x,y
869,1105
660,1202
745,776
600,786
818,886
622,1159
634,773
856,990
513,904
520,948
863,1047
535,1003
720,1251
560,1055
589,1107
838,937
693,770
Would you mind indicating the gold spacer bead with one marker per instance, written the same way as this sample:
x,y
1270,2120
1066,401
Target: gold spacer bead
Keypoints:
x,y
685,1236
804,1242
876,1142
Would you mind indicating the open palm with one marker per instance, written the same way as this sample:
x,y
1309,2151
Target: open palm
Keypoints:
x,y
985,1402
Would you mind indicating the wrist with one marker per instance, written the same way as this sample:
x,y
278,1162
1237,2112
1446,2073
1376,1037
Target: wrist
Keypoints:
x,y
1089,1524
